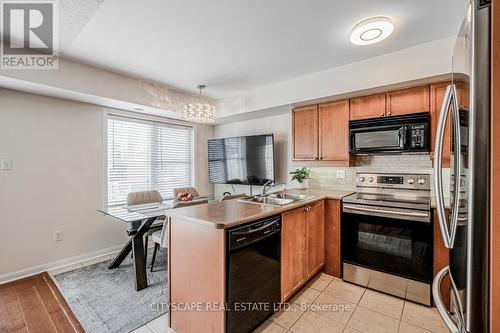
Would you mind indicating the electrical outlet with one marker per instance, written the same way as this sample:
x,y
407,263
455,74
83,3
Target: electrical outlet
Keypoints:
x,y
58,236
6,165
340,173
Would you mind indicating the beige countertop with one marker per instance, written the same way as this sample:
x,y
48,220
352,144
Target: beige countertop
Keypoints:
x,y
230,213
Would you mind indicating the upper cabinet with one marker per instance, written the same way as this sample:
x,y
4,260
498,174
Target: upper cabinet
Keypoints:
x,y
436,100
463,95
408,101
393,103
305,133
334,131
437,95
321,132
366,107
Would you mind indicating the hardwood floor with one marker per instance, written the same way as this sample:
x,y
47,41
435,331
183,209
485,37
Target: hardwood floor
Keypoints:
x,y
34,304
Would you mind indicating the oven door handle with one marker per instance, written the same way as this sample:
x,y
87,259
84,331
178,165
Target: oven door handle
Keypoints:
x,y
384,211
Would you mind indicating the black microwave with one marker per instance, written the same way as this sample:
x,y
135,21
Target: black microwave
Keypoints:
x,y
408,133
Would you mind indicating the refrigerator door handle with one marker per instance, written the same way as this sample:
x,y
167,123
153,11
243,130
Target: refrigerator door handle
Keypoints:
x,y
457,156
443,311
448,233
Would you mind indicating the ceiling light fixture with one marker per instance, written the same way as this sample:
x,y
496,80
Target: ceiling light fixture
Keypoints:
x,y
371,31
199,112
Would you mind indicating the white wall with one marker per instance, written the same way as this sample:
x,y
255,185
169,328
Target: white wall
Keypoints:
x,y
57,182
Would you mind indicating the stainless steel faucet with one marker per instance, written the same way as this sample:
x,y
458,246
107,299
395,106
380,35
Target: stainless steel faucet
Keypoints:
x,y
270,184
267,186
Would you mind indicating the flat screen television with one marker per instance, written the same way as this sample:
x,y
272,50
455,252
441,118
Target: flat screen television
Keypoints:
x,y
245,160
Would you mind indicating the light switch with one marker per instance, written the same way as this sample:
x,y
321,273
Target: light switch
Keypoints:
x,y
6,165
340,173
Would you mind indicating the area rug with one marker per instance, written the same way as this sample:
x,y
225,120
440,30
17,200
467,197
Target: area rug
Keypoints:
x,y
105,300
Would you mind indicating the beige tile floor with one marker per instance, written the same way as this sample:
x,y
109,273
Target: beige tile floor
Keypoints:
x,y
330,305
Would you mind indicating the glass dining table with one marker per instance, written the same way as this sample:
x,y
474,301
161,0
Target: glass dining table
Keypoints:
x,y
139,218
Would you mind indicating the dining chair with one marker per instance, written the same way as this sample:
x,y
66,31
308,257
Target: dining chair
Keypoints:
x,y
191,190
142,198
160,237
232,196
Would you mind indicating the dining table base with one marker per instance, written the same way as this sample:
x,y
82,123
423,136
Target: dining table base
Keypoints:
x,y
135,244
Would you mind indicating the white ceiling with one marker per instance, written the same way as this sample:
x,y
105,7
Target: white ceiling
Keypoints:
x,y
234,45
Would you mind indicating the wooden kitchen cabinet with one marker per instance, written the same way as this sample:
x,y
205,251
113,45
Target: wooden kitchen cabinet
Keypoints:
x,y
332,238
305,133
441,259
437,95
463,94
408,101
293,230
334,131
315,238
393,103
302,246
366,107
320,133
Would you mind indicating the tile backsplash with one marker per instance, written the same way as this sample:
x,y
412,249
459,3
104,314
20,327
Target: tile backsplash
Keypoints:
x,y
327,176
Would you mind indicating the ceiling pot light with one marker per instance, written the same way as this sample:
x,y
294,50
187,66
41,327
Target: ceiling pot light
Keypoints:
x,y
371,31
199,112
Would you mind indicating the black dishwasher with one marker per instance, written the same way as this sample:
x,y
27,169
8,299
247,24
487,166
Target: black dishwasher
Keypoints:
x,y
253,274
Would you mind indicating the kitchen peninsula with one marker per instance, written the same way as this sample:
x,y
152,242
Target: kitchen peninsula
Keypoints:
x,y
198,265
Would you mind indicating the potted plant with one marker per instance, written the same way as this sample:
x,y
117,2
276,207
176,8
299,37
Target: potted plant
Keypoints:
x,y
301,176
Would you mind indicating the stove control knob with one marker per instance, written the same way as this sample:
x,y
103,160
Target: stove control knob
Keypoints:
x,y
361,179
370,179
421,181
411,181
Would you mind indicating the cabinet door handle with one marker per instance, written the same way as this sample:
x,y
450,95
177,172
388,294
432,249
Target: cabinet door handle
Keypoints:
x,y
389,113
381,114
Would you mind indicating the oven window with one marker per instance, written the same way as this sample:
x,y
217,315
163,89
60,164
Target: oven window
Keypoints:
x,y
389,245
377,139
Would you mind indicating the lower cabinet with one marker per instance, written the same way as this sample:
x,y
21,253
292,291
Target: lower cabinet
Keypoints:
x,y
441,259
293,247
315,238
332,238
302,246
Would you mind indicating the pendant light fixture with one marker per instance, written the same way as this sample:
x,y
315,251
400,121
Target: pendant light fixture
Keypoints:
x,y
199,112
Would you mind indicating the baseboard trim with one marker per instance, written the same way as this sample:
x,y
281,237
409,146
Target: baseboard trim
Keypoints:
x,y
8,277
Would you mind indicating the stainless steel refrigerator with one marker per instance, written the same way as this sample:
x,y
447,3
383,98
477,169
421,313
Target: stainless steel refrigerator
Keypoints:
x,y
465,228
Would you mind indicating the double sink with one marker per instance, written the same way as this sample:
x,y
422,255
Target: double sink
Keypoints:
x,y
277,199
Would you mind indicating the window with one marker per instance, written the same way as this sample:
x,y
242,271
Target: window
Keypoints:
x,y
147,155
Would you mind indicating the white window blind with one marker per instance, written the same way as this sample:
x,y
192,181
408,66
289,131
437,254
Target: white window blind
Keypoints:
x,y
146,155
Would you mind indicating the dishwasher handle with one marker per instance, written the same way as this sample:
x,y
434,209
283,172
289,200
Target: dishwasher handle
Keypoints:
x,y
253,232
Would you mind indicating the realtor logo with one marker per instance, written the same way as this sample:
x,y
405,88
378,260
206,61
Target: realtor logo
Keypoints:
x,y
29,34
